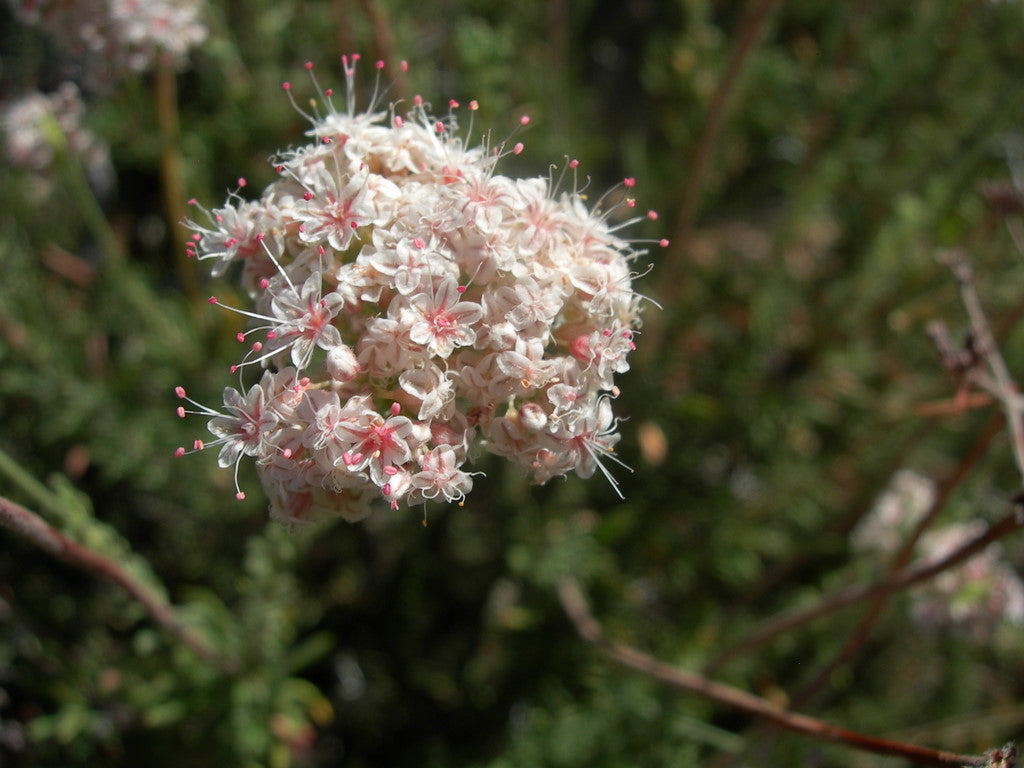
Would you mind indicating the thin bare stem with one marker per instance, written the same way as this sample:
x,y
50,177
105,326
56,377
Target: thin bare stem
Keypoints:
x,y
384,43
852,595
900,560
754,17
1003,388
165,94
576,607
33,528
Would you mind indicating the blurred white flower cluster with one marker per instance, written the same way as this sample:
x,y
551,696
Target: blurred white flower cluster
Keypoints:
x,y
113,38
35,124
974,595
411,303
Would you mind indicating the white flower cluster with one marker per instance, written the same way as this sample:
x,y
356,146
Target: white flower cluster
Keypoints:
x,y
411,303
27,145
974,595
112,38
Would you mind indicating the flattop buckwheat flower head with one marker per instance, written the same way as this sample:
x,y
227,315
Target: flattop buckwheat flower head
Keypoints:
x,y
411,304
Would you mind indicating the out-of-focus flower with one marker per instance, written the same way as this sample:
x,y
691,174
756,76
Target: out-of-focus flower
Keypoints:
x,y
114,38
907,497
29,142
972,596
411,303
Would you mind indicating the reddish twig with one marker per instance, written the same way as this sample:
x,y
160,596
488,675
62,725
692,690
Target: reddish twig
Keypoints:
x,y
853,595
384,44
165,94
900,560
32,527
754,17
576,607
1000,383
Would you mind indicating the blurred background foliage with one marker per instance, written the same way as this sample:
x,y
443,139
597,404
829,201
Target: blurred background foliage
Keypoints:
x,y
786,380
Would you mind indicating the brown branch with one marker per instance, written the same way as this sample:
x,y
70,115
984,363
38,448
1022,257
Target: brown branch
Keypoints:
x,y
165,94
32,527
384,44
754,17
852,595
575,606
1003,387
860,634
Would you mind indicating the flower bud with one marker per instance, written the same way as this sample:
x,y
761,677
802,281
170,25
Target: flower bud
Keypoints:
x,y
342,364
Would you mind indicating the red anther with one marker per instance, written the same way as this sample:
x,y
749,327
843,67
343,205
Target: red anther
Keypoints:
x,y
353,225
663,243
240,337
573,163
287,453
453,103
417,100
286,86
398,121
473,106
271,335
192,201
197,445
390,470
630,202
179,451
264,283
240,495
460,289
279,169
190,254
395,409
212,300
517,148
524,120
629,182
307,196
356,57
386,489
329,92
257,346
439,126
218,218
606,333
417,243
304,382
232,369
259,238
309,65
302,227
652,215
241,182
379,64
197,237
325,140
180,392
320,250
180,410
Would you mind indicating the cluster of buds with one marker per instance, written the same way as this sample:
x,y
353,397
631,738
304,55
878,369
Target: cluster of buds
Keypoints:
x,y
412,304
113,38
